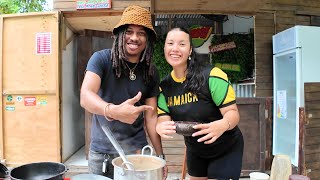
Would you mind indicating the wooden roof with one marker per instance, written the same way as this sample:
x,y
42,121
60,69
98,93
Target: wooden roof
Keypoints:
x,y
244,7
106,19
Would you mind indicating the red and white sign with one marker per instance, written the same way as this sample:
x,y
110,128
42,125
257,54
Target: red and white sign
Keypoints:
x,y
222,47
43,43
30,101
93,4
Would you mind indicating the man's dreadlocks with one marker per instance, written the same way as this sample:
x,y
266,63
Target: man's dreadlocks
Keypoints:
x,y
119,58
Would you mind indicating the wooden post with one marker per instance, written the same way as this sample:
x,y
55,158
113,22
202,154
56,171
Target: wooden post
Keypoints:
x,y
1,115
301,163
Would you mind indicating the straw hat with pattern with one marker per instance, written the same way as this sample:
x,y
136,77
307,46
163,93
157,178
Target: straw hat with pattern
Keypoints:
x,y
136,15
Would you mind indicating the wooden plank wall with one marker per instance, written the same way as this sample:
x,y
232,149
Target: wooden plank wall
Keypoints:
x,y
174,150
263,31
290,13
312,131
276,16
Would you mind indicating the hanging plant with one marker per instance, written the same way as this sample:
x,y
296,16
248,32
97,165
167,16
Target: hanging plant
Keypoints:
x,y
159,59
238,59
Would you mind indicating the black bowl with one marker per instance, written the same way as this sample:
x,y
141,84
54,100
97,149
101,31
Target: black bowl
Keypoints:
x,y
185,128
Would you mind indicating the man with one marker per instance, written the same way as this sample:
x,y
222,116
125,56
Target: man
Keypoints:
x,y
120,88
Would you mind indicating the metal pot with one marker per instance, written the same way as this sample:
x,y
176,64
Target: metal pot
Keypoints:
x,y
39,171
146,167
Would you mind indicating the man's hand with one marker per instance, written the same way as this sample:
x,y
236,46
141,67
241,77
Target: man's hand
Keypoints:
x,y
127,112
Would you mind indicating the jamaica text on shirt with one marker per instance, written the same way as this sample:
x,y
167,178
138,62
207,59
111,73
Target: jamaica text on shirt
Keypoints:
x,y
182,99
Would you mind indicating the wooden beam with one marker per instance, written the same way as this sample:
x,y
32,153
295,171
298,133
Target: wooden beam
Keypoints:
x,y
30,92
308,13
152,6
1,88
69,26
95,13
94,33
63,34
201,11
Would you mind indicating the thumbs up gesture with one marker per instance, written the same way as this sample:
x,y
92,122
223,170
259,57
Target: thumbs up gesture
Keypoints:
x,y
127,112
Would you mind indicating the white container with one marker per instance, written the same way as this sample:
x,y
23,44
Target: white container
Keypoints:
x,y
258,176
146,167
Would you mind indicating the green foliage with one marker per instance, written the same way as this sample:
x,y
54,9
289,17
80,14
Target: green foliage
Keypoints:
x,y
8,7
242,55
159,59
21,6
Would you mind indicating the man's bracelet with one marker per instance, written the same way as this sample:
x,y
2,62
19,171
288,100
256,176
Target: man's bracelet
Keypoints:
x,y
106,108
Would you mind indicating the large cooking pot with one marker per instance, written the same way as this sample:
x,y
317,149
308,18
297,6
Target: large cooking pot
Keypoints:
x,y
145,167
39,171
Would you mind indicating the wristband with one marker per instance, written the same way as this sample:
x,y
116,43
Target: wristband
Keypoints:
x,y
105,112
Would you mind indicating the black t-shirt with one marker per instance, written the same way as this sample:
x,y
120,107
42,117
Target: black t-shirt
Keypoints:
x,y
117,90
217,92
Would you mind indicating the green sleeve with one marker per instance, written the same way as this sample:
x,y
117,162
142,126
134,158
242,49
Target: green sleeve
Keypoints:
x,y
221,89
162,105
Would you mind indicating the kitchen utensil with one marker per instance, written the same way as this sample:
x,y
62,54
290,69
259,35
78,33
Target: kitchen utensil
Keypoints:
x,y
39,171
116,145
146,167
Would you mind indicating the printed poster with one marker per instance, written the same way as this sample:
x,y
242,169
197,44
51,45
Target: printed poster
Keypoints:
x,y
281,104
43,43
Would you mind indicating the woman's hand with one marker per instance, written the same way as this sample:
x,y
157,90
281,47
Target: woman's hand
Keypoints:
x,y
165,128
211,131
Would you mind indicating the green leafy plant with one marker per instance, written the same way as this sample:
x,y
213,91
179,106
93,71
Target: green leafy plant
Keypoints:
x,y
242,55
21,6
159,59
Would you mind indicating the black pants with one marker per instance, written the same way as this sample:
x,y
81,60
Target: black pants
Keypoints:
x,y
223,167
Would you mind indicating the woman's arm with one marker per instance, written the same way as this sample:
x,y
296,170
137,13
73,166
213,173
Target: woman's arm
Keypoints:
x,y
151,122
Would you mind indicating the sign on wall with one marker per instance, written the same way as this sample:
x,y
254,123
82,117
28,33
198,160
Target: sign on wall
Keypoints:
x,y
93,4
199,35
222,47
43,43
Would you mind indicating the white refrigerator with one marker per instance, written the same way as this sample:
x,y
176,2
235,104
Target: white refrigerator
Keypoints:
x,y
296,60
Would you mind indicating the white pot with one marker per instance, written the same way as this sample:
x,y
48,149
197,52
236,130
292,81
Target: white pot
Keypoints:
x,y
145,167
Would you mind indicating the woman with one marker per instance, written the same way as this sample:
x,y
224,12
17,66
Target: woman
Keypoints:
x,y
196,92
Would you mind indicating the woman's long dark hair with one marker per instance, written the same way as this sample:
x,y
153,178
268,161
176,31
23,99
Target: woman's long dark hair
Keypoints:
x,y
194,77
119,58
